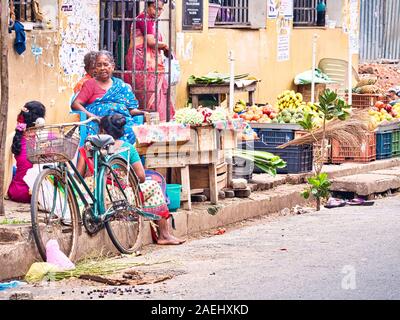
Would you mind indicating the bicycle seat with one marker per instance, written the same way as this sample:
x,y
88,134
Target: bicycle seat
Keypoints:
x,y
101,140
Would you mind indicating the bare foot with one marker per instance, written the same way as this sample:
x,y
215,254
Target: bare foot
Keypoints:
x,y
166,242
170,240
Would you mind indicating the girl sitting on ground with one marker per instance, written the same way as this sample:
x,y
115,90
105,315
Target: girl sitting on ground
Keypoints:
x,y
154,200
31,111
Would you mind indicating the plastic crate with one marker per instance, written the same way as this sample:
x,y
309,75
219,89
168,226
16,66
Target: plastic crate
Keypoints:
x,y
316,146
299,159
363,101
275,137
383,145
396,143
343,152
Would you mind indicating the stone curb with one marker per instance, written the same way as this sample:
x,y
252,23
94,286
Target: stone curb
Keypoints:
x,y
17,257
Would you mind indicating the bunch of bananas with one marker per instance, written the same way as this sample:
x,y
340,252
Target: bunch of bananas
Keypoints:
x,y
240,106
289,99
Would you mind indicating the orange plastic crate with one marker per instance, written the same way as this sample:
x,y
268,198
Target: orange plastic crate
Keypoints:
x,y
363,101
343,152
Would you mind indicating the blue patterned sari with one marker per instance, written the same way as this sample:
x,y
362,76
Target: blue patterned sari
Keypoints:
x,y
117,100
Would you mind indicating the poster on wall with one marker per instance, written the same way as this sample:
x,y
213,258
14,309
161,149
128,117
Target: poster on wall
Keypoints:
x,y
353,28
272,9
192,17
283,47
286,8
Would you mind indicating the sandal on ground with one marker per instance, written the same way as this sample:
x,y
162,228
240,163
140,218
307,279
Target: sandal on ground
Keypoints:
x,y
335,203
360,202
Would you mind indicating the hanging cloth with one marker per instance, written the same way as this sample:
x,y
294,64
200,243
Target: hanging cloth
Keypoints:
x,y
20,37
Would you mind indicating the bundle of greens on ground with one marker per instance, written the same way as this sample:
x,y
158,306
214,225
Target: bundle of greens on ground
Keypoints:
x,y
265,161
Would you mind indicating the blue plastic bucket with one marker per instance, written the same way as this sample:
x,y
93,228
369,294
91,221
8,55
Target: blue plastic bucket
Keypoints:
x,y
174,195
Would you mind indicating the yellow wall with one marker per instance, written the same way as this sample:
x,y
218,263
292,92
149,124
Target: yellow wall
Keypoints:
x,y
256,53
31,80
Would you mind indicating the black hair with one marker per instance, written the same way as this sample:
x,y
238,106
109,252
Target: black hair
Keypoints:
x,y
32,110
113,125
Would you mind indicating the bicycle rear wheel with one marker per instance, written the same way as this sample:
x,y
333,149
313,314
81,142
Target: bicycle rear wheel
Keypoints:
x,y
125,227
54,214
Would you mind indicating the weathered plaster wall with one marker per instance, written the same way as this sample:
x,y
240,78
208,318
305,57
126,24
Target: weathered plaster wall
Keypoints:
x,y
52,62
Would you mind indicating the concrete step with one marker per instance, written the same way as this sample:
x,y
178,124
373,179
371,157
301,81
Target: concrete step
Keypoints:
x,y
17,256
366,184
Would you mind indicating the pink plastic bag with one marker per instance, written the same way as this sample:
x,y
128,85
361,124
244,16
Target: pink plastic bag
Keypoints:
x,y
57,257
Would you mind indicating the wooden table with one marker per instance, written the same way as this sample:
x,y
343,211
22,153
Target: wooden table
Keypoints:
x,y
195,90
205,150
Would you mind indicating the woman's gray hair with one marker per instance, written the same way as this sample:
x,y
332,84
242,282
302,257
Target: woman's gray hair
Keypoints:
x,y
106,53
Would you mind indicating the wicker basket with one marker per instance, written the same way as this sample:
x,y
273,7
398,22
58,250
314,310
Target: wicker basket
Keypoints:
x,y
51,144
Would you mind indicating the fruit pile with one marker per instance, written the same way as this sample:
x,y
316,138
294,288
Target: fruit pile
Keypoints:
x,y
263,114
289,99
381,112
292,108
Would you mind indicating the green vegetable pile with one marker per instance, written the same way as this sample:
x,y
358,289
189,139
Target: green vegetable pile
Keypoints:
x,y
214,78
266,161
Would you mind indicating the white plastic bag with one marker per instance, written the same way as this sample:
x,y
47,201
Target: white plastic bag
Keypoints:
x,y
175,70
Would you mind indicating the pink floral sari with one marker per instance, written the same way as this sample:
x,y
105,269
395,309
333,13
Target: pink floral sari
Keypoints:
x,y
150,82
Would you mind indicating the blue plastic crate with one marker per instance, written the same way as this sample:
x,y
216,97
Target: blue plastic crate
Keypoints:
x,y
275,137
383,145
299,159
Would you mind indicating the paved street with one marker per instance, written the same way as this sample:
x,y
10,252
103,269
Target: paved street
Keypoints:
x,y
344,253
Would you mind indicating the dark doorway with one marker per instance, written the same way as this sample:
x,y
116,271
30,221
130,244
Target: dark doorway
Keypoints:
x,y
118,18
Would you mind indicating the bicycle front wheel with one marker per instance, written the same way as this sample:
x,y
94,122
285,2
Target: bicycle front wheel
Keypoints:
x,y
54,213
121,195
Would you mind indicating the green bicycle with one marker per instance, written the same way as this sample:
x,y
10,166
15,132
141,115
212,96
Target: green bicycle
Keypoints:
x,y
62,199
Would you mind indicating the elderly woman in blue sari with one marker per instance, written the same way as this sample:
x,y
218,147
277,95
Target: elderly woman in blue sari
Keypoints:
x,y
105,95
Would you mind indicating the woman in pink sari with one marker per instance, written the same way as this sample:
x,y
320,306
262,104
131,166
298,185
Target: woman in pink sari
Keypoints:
x,y
149,81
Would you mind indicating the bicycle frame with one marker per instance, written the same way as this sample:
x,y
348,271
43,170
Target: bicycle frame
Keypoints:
x,y
100,166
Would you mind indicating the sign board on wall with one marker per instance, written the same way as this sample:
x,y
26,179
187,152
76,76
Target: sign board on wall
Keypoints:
x,y
192,17
283,47
286,8
272,9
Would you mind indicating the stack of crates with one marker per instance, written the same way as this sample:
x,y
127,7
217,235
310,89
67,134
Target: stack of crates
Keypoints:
x,y
343,152
384,145
299,159
396,143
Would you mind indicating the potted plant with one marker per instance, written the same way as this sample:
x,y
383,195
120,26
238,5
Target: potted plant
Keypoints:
x,y
213,9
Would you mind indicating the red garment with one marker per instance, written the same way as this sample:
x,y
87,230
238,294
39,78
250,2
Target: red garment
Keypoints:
x,y
148,81
19,190
90,92
79,85
142,25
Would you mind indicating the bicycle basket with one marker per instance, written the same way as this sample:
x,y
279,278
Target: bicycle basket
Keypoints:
x,y
52,144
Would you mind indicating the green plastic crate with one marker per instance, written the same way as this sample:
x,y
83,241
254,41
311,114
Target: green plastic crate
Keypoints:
x,y
396,143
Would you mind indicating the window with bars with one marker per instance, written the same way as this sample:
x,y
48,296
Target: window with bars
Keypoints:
x,y
117,19
233,12
23,10
305,12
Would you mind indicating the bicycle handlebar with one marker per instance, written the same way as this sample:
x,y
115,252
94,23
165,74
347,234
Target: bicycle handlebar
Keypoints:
x,y
70,124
